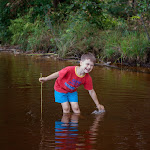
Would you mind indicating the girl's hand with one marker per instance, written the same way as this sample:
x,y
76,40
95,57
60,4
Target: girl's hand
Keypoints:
x,y
43,79
100,107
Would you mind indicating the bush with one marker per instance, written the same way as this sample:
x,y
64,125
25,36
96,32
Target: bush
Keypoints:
x,y
76,37
21,28
125,46
30,36
40,37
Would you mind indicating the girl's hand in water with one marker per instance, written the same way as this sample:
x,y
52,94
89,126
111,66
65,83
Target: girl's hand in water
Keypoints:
x,y
100,110
100,107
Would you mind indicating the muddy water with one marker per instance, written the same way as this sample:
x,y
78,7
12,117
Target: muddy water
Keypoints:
x,y
124,126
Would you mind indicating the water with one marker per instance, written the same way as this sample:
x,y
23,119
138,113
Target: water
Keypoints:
x,y
124,126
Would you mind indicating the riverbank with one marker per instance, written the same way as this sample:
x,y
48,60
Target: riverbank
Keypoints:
x,y
143,68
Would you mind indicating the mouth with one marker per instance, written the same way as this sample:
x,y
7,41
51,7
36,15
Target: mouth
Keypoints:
x,y
87,70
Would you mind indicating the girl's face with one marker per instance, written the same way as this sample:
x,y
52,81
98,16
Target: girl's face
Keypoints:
x,y
86,65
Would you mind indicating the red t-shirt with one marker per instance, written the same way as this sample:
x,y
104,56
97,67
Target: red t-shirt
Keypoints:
x,y
69,81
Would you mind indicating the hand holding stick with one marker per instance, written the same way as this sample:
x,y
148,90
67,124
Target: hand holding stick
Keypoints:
x,y
41,95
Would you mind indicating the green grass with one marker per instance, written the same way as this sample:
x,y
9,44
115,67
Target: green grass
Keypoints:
x,y
129,45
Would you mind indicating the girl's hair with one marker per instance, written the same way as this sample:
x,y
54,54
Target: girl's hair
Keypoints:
x,y
88,56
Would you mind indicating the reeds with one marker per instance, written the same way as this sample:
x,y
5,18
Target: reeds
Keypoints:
x,y
125,46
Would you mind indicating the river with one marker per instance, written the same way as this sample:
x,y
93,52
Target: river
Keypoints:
x,y
124,126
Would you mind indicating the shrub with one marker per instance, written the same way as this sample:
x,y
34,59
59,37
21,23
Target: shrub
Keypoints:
x,y
21,28
40,37
76,36
30,36
130,45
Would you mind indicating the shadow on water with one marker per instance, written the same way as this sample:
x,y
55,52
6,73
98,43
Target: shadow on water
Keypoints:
x,y
125,95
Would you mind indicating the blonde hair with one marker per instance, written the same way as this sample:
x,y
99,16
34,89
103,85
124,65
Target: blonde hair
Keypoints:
x,y
88,56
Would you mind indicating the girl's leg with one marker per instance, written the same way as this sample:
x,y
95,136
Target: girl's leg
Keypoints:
x,y
65,107
75,118
66,118
75,107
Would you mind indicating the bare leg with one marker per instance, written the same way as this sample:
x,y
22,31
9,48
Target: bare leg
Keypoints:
x,y
75,107
65,107
75,118
65,118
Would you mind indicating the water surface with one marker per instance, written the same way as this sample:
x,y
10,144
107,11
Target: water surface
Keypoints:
x,y
125,95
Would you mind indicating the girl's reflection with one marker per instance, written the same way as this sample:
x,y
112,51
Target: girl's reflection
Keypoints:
x,y
67,135
66,131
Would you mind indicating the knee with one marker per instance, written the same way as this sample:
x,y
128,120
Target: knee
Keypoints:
x,y
76,109
66,109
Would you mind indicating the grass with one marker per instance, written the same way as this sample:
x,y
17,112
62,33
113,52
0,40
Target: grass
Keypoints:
x,y
125,46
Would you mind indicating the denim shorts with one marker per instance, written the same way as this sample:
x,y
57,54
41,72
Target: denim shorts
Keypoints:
x,y
66,97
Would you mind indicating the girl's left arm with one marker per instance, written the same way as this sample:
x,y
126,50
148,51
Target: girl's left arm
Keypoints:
x,y
95,99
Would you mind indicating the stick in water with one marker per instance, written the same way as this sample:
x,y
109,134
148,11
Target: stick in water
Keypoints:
x,y
41,95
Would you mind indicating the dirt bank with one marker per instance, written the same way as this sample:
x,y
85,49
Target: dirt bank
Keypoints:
x,y
143,68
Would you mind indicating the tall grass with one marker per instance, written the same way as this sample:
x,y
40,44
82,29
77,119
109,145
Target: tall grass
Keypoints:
x,y
76,37
125,46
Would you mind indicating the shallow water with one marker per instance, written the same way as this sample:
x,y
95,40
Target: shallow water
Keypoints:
x,y
124,126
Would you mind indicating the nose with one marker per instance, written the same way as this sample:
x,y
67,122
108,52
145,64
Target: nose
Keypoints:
x,y
89,67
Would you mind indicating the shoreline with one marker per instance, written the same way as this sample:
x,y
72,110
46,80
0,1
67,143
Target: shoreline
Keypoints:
x,y
145,68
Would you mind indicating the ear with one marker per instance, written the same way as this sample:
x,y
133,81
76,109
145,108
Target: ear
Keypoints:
x,y
80,63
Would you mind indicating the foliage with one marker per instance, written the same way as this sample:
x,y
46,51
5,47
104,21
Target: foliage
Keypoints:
x,y
14,9
21,28
76,26
29,35
4,22
125,46
40,38
92,11
76,37
128,8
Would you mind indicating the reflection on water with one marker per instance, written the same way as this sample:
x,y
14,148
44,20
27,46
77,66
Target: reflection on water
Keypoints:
x,y
68,134
125,95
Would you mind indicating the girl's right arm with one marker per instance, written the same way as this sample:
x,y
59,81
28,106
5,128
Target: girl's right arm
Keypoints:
x,y
50,77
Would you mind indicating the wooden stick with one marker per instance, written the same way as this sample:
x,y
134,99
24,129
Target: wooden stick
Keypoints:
x,y
41,95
